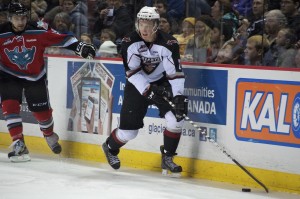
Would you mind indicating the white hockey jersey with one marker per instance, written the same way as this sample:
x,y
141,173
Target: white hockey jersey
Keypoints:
x,y
148,62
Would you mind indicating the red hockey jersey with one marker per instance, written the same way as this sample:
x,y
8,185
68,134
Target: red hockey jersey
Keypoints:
x,y
21,54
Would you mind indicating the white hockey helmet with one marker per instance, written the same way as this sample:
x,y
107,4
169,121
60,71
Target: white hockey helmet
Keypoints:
x,y
148,13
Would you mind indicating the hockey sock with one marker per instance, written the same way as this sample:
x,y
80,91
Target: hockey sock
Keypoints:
x,y
11,112
171,141
114,144
45,121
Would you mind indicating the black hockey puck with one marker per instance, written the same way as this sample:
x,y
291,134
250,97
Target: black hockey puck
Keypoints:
x,y
246,190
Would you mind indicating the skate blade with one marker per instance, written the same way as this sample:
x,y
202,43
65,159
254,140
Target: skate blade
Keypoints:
x,y
22,158
168,173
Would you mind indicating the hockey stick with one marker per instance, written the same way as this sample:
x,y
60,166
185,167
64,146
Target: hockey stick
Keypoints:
x,y
220,147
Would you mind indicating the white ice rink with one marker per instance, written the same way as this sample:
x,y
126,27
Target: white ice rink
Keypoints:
x,y
61,178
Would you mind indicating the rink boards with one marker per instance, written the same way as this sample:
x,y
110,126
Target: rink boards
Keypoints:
x,y
253,112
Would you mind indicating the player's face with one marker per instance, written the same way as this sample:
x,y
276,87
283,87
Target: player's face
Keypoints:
x,y
18,22
146,28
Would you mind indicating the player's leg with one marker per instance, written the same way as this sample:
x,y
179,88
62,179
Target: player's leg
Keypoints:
x,y
11,97
133,111
172,135
37,97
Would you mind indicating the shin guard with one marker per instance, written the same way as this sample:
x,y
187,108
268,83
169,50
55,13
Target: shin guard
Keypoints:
x,y
171,141
45,121
113,142
11,112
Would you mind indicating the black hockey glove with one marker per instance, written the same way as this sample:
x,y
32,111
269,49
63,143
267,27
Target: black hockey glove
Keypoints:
x,y
84,50
157,93
180,108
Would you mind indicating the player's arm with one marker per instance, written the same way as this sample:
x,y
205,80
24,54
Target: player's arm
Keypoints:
x,y
84,50
173,68
70,42
176,78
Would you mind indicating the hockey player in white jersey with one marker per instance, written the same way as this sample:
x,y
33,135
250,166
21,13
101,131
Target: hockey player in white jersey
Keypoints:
x,y
153,71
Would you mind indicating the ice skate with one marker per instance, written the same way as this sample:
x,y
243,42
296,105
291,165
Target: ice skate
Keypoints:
x,y
52,142
20,152
112,159
169,168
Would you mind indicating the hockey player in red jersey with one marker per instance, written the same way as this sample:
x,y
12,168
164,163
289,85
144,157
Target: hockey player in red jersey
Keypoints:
x,y
153,71
22,70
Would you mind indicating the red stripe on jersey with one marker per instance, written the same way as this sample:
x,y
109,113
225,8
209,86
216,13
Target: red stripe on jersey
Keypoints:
x,y
171,134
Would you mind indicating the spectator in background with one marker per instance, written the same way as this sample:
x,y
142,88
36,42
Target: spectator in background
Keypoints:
x,y
3,17
50,13
161,6
285,40
162,9
222,11
165,23
290,8
176,8
275,21
256,20
225,54
118,19
199,48
33,15
187,34
221,33
108,49
77,10
196,8
297,58
62,24
86,38
39,7
256,46
238,57
105,16
241,35
4,5
274,4
107,35
52,4
243,7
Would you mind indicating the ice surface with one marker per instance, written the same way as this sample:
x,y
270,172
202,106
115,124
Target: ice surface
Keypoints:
x,y
60,178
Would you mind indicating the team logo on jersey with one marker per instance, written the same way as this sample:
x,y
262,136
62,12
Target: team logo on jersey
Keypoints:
x,y
17,39
143,48
150,60
149,68
126,39
42,24
149,64
21,58
171,42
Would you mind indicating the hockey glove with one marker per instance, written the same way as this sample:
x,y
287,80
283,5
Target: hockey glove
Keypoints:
x,y
157,93
84,50
180,108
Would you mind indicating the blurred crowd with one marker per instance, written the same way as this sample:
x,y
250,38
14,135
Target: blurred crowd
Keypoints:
x,y
243,32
